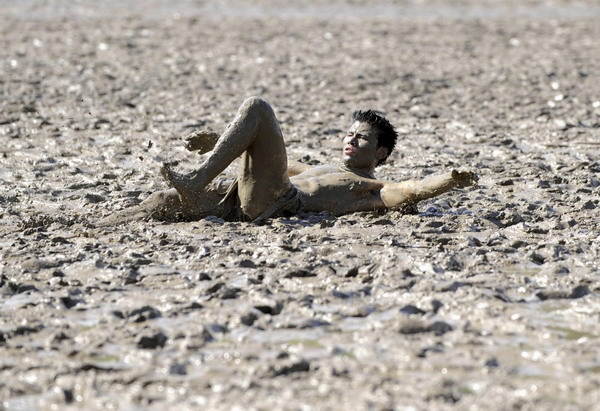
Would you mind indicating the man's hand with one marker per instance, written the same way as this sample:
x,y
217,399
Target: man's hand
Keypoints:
x,y
202,141
464,178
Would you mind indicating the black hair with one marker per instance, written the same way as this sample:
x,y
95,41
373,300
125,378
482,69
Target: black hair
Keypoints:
x,y
386,133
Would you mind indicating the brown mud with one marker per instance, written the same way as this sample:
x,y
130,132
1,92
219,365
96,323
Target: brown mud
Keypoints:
x,y
487,297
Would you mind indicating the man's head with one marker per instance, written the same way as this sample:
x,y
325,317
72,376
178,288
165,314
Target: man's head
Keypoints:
x,y
369,141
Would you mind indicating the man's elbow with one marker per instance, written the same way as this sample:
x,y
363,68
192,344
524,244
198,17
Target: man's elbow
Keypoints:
x,y
393,197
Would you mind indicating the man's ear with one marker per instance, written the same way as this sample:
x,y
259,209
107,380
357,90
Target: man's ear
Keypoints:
x,y
382,152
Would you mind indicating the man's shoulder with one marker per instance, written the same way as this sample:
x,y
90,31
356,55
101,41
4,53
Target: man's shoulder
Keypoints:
x,y
340,172
316,171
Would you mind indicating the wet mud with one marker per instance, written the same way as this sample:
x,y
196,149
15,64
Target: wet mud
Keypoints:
x,y
485,297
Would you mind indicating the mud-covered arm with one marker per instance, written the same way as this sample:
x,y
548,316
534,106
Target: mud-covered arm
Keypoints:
x,y
296,167
396,195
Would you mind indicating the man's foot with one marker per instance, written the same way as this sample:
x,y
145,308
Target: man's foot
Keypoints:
x,y
202,141
188,186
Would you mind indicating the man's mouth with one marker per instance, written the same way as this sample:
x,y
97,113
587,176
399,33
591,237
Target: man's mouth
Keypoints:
x,y
349,150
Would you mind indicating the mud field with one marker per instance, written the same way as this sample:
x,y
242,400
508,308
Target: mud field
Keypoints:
x,y
487,298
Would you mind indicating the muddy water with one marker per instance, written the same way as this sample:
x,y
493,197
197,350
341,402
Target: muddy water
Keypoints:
x,y
485,297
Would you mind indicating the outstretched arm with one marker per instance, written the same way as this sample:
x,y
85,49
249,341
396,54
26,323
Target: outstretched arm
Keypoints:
x,y
395,195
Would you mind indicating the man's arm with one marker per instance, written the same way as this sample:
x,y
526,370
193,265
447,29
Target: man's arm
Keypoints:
x,y
395,195
296,167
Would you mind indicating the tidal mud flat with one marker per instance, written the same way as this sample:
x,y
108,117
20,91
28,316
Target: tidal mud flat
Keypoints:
x,y
487,297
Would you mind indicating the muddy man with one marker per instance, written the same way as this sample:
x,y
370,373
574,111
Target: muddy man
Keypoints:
x,y
267,186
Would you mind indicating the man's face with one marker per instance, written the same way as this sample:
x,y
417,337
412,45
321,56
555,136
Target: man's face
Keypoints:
x,y
360,147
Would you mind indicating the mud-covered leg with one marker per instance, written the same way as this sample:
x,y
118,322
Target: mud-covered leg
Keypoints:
x,y
254,130
167,206
188,186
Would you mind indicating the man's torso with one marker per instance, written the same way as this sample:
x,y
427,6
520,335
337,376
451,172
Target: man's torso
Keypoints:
x,y
329,188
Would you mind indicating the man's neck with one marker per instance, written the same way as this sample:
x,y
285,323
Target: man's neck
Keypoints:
x,y
358,171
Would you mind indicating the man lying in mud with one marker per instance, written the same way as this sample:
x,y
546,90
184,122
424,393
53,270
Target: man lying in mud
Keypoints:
x,y
267,186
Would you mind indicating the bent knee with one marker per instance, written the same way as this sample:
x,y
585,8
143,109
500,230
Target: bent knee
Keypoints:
x,y
258,104
160,199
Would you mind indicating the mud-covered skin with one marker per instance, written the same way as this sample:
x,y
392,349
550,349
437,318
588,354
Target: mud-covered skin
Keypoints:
x,y
361,148
323,188
331,189
264,175
254,136
166,205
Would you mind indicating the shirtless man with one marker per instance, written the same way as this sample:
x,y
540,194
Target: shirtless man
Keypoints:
x,y
266,186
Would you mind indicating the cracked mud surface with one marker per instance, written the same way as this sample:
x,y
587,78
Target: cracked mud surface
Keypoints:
x,y
487,297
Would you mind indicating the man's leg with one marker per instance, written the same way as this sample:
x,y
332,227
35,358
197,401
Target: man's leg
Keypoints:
x,y
255,135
